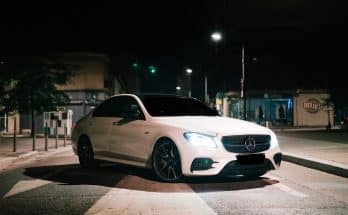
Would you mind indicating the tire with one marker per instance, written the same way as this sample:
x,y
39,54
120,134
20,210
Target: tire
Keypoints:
x,y
166,162
86,155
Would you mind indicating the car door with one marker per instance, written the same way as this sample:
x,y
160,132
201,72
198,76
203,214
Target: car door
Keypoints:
x,y
127,130
98,127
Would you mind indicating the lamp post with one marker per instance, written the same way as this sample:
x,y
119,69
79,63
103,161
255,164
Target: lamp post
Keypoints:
x,y
242,83
216,37
189,72
137,80
178,88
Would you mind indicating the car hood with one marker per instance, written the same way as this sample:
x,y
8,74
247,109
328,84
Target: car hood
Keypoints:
x,y
213,125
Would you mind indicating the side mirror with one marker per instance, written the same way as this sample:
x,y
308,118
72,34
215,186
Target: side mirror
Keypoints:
x,y
134,115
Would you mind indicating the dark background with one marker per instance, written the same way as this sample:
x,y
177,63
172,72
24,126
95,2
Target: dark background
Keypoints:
x,y
298,44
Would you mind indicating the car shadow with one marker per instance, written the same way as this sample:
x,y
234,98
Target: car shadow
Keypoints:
x,y
133,178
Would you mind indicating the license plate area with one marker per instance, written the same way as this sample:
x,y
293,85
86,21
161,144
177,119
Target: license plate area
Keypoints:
x,y
251,159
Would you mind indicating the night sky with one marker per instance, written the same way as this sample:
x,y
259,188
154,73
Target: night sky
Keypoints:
x,y
298,44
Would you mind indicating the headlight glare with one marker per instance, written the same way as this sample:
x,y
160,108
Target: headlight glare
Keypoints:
x,y
200,140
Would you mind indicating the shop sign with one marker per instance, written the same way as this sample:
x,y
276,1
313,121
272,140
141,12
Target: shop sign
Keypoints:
x,y
312,105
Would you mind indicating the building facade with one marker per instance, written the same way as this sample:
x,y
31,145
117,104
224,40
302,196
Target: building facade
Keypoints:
x,y
298,108
91,83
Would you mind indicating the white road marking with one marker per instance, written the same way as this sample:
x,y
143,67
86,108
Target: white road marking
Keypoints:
x,y
26,185
126,201
290,190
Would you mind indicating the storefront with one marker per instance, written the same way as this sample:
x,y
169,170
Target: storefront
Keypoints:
x,y
281,108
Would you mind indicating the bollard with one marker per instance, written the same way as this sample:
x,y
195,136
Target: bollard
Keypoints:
x,y
14,135
56,134
46,137
65,131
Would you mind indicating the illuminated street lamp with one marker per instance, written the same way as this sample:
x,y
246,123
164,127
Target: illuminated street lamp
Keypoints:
x,y
137,80
216,36
189,72
178,88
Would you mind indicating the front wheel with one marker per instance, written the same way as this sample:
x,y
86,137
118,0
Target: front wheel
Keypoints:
x,y
86,155
166,161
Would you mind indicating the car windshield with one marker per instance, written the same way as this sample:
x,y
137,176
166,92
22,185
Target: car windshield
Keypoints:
x,y
163,105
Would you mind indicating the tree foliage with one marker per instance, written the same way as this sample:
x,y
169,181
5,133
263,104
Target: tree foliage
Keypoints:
x,y
31,85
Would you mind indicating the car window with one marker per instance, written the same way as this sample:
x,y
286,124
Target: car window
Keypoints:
x,y
176,106
103,110
119,106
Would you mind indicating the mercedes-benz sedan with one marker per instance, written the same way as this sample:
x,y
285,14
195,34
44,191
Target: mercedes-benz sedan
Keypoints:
x,y
175,136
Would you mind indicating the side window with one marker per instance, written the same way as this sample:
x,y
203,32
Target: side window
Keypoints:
x,y
103,110
119,106
126,107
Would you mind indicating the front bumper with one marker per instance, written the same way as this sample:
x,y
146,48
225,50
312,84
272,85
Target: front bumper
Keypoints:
x,y
219,161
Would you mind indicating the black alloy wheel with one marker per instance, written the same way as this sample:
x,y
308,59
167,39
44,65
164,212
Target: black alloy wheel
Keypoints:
x,y
166,162
86,155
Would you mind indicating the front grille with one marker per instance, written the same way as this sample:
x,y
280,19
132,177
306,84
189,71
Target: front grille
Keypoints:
x,y
236,143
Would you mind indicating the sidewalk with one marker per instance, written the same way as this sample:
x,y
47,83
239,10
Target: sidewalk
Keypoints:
x,y
24,148
323,150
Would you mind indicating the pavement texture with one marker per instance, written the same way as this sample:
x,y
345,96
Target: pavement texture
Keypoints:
x,y
318,149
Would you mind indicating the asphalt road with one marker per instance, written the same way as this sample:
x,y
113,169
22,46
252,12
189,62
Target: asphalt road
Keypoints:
x,y
57,185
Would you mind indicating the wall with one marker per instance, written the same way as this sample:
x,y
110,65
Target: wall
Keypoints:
x,y
91,73
307,112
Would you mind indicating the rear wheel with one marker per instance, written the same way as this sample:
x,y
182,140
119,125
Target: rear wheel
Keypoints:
x,y
166,161
85,153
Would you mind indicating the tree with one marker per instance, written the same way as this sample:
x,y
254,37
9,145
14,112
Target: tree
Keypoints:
x,y
33,87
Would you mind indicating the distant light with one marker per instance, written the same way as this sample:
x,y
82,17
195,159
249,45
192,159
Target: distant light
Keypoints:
x,y
2,62
178,88
188,71
152,69
135,65
216,36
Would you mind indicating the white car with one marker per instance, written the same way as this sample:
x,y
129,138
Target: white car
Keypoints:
x,y
175,136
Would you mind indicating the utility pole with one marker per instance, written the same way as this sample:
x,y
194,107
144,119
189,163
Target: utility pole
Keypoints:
x,y
242,83
206,89
137,79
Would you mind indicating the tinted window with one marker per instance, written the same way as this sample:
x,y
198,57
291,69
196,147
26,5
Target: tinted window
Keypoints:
x,y
119,106
176,106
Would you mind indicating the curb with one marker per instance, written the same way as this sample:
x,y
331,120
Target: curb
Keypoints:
x,y
7,161
322,165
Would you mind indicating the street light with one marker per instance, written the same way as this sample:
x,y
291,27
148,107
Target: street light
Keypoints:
x,y
242,84
178,88
242,81
216,36
189,72
137,80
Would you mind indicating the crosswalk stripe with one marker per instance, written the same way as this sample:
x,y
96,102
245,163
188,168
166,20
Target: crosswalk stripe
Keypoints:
x,y
126,201
25,185
290,190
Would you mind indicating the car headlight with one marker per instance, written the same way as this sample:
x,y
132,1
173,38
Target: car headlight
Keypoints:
x,y
197,139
